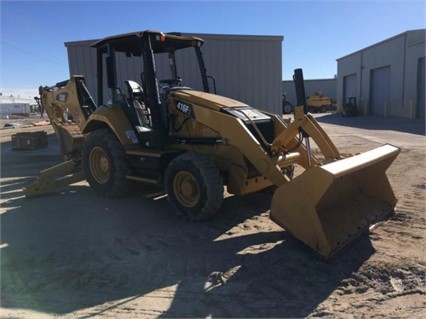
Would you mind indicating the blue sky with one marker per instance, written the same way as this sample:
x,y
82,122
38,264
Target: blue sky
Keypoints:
x,y
316,33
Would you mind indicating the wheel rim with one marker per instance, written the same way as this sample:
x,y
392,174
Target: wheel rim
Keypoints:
x,y
287,108
186,189
99,165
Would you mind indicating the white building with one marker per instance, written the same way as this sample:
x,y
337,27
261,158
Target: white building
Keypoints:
x,y
14,107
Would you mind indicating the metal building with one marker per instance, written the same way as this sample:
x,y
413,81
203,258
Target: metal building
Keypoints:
x,y
326,86
247,68
387,78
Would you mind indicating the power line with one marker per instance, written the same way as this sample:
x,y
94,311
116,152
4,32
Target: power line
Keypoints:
x,y
30,53
26,23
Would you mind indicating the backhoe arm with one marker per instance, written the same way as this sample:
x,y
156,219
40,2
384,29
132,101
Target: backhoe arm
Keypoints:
x,y
70,97
68,104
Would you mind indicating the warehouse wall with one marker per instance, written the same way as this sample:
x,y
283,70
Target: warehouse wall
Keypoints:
x,y
246,68
326,86
385,77
414,84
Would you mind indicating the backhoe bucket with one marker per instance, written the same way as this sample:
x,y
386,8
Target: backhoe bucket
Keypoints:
x,y
327,206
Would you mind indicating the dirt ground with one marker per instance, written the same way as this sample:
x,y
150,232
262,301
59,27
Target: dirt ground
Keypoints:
x,y
76,255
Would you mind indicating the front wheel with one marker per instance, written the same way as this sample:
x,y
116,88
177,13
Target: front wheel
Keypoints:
x,y
105,165
194,186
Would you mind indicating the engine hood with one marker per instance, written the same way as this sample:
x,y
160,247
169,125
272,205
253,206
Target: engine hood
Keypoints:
x,y
209,100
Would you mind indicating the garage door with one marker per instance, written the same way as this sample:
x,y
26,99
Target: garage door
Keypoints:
x,y
349,86
421,89
379,90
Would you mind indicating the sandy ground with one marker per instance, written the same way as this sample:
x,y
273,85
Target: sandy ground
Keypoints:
x,y
76,255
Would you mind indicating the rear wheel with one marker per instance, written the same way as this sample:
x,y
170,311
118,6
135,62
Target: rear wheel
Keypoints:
x,y
287,108
194,186
105,165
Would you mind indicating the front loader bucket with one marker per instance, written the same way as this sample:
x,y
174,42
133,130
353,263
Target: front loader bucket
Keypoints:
x,y
327,206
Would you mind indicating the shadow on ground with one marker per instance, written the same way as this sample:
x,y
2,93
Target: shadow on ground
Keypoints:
x,y
416,126
74,250
29,162
70,251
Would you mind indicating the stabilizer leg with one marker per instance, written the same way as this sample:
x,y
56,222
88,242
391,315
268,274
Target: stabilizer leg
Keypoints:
x,y
52,179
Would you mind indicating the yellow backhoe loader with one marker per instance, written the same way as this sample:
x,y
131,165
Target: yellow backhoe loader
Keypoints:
x,y
192,143
319,102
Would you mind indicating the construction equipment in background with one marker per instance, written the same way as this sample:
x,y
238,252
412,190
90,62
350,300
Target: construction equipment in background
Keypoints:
x,y
192,143
319,102
287,106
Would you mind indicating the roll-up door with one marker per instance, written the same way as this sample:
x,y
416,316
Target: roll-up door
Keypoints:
x,y
380,91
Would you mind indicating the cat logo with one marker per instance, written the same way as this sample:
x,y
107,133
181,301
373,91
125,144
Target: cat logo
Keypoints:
x,y
62,97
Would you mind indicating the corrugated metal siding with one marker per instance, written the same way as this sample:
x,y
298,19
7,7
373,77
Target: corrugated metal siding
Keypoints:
x,y
246,68
82,61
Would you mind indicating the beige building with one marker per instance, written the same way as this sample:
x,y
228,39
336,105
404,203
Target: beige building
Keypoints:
x,y
387,78
247,68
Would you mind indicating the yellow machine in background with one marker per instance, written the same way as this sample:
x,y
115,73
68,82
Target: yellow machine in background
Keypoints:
x,y
193,143
319,102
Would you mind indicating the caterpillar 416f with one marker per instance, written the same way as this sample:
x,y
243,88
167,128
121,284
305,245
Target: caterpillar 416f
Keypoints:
x,y
192,143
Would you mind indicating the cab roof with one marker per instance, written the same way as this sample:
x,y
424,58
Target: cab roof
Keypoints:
x,y
163,42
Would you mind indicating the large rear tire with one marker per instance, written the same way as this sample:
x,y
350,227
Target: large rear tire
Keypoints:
x,y
194,186
105,165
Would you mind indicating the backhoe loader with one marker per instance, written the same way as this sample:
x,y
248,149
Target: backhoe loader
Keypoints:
x,y
318,102
192,143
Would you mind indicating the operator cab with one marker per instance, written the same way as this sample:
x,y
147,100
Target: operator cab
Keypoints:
x,y
146,103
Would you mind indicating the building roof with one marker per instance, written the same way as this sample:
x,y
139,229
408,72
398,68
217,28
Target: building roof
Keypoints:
x,y
14,100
